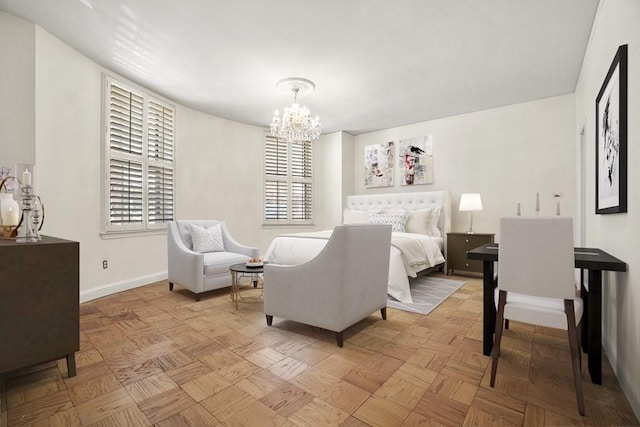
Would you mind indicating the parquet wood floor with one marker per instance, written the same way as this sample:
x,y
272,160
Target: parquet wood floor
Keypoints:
x,y
153,357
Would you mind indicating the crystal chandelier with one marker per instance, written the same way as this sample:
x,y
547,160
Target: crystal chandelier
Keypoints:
x,y
296,124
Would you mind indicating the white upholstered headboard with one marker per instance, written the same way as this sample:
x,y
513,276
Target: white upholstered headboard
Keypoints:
x,y
410,201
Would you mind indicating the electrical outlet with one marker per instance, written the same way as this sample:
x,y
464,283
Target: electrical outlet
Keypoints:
x,y
105,263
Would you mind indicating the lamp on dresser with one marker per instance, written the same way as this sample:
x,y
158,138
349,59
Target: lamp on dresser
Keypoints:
x,y
470,202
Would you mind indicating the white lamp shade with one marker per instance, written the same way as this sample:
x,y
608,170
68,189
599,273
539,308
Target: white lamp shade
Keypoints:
x,y
470,202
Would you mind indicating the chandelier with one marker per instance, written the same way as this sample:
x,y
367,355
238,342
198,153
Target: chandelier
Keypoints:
x,y
296,124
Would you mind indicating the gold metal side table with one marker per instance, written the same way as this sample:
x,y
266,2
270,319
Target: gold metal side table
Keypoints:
x,y
255,285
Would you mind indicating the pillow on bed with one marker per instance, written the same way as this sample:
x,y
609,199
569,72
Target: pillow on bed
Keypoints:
x,y
424,221
352,216
397,220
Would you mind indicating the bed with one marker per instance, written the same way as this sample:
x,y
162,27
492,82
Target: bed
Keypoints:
x,y
418,244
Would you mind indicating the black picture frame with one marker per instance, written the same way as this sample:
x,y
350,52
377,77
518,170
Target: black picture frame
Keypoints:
x,y
611,138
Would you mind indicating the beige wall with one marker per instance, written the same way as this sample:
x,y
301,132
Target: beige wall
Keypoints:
x,y
219,162
17,91
616,24
334,177
68,160
219,168
506,154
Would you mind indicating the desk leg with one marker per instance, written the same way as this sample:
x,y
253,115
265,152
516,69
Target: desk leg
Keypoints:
x,y
594,322
584,294
488,308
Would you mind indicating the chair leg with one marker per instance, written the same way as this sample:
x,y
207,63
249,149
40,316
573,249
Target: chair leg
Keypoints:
x,y
506,323
579,337
383,312
339,338
572,331
269,319
502,300
170,286
197,297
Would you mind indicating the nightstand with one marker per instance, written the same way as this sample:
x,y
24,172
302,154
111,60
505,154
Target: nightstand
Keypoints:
x,y
457,246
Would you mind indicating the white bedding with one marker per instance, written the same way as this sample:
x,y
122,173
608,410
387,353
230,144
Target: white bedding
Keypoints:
x,y
294,249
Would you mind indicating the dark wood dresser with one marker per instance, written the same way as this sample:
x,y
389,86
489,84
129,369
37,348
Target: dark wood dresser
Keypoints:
x,y
458,244
39,303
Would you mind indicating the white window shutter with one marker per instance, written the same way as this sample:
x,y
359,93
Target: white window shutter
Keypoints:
x,y
160,132
125,194
125,120
288,168
140,147
160,194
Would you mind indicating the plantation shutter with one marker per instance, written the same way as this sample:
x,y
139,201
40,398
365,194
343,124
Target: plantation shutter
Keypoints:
x,y
160,132
140,159
125,183
160,194
160,154
288,181
300,201
301,167
276,169
125,132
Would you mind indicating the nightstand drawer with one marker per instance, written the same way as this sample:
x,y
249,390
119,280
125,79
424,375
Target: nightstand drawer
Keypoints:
x,y
458,244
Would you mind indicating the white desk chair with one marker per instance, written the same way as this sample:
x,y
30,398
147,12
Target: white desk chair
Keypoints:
x,y
536,283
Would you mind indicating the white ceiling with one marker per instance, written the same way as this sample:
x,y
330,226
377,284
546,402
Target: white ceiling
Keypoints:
x,y
377,64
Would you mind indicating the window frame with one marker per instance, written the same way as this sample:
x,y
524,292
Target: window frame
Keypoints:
x,y
146,225
290,180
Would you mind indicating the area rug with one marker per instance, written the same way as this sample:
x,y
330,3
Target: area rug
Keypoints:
x,y
427,293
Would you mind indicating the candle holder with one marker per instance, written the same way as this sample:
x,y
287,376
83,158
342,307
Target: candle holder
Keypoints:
x,y
38,217
26,234
9,230
31,219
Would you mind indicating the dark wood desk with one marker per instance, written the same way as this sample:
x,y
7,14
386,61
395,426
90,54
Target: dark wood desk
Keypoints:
x,y
595,261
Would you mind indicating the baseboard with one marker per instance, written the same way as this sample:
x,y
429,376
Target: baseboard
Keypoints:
x,y
125,285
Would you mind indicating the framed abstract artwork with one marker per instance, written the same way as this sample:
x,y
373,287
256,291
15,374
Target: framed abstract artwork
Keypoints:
x,y
378,165
416,161
611,138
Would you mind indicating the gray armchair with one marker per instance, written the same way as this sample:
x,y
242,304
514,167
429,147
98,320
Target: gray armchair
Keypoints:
x,y
200,272
343,284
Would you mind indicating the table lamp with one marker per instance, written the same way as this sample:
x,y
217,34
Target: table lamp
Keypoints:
x,y
470,202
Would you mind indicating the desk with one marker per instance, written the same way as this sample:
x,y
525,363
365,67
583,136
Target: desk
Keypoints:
x,y
595,261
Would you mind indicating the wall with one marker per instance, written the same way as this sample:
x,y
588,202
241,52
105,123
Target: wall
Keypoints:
x,y
68,134
219,173
506,154
219,169
17,91
333,178
616,24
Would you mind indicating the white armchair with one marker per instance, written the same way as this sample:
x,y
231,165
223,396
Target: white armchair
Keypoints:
x,y
202,271
343,284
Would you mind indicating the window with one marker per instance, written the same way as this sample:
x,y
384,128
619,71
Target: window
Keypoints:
x,y
287,182
139,160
